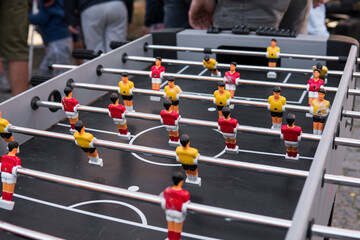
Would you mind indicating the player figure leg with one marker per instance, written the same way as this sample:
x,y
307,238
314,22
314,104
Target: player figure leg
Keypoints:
x,y
274,122
177,230
8,138
94,158
315,127
278,122
171,229
320,128
72,122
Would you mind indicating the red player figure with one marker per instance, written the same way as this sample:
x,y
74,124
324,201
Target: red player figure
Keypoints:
x,y
314,85
221,98
9,165
188,157
276,105
117,112
319,108
228,127
86,142
126,88
69,105
174,201
4,125
231,79
210,64
171,119
172,93
273,55
156,74
291,135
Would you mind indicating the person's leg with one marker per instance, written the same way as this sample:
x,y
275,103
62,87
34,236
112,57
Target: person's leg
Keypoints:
x,y
62,53
176,13
93,27
116,22
296,16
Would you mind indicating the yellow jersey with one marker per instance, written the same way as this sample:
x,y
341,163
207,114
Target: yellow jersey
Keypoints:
x,y
320,107
3,125
211,64
125,88
276,106
323,71
221,100
172,92
186,156
273,52
84,139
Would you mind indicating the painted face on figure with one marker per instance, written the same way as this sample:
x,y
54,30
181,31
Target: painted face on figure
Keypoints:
x,y
232,67
157,62
273,44
316,74
171,84
221,89
124,79
321,96
276,95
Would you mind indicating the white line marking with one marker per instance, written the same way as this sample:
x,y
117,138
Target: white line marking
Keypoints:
x,y
287,78
140,213
145,160
180,71
302,97
92,129
202,72
155,228
221,153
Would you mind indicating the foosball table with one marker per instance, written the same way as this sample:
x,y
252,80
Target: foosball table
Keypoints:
x,y
251,193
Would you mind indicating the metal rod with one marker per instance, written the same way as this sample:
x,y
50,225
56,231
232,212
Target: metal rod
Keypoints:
x,y
240,52
25,232
334,233
351,114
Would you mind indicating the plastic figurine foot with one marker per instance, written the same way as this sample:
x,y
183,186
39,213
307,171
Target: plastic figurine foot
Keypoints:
x,y
174,144
155,98
271,75
72,131
292,158
308,115
231,106
232,150
126,137
98,162
8,205
195,182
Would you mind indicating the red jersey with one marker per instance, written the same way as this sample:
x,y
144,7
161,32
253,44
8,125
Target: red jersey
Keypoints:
x,y
231,78
315,86
116,111
227,126
175,198
290,134
169,118
8,162
156,72
69,104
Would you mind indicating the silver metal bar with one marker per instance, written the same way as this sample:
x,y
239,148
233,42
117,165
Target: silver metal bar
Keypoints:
x,y
241,52
349,142
351,114
310,194
186,96
25,232
246,67
334,233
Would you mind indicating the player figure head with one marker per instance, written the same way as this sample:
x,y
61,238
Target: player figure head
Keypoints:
x,y
273,42
114,98
206,58
226,112
79,126
185,140
158,61
233,66
124,76
167,104
322,93
68,91
221,86
316,73
290,119
319,66
171,81
13,145
276,91
177,178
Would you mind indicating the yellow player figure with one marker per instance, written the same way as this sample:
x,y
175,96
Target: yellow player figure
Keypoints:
x,y
188,157
323,71
273,55
4,125
126,88
172,93
319,108
210,64
221,98
276,105
86,142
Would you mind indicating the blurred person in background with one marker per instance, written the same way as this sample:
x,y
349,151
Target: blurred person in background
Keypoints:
x,y
102,21
154,17
13,42
51,25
